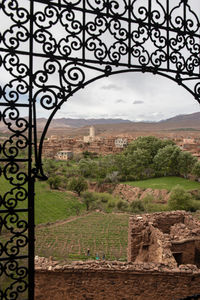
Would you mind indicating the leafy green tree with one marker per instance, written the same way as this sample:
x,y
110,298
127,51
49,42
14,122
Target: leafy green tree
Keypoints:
x,y
151,144
88,154
77,207
139,162
186,163
50,167
88,198
196,170
87,168
78,185
54,182
106,165
166,160
122,163
179,199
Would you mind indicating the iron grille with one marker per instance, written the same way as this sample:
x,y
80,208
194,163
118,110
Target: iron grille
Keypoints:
x,y
50,49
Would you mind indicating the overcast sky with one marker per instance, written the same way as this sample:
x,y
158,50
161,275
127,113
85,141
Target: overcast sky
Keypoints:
x,y
133,96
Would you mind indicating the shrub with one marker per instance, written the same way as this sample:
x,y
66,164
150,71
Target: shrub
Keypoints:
x,y
122,205
136,206
111,203
150,205
88,198
54,182
180,199
104,197
77,185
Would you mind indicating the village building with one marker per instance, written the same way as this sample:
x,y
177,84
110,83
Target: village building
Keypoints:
x,y
105,145
121,142
64,155
91,137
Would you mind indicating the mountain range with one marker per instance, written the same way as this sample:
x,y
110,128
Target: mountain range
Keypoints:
x,y
69,126
74,127
182,121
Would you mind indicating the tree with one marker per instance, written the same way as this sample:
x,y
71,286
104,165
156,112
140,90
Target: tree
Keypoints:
x,y
179,199
133,165
78,185
186,163
166,160
196,170
50,167
106,165
149,143
76,205
140,161
54,182
88,198
122,165
87,167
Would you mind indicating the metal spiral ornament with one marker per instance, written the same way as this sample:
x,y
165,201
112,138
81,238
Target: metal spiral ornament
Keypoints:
x,y
50,49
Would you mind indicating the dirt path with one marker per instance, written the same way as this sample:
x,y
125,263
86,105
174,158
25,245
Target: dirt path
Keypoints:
x,y
62,222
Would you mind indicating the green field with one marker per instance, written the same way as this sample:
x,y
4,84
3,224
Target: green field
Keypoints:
x,y
165,183
101,233
69,239
50,206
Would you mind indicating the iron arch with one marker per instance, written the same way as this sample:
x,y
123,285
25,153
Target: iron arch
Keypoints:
x,y
49,49
40,173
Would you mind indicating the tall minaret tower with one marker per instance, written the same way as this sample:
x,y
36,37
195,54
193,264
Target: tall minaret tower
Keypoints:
x,y
92,132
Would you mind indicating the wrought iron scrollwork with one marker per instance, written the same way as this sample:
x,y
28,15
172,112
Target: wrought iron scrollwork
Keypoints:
x,y
49,49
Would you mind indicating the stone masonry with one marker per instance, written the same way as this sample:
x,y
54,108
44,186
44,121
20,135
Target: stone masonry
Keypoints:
x,y
171,238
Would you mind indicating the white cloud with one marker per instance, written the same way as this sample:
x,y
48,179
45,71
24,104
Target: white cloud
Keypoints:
x,y
138,102
120,101
111,87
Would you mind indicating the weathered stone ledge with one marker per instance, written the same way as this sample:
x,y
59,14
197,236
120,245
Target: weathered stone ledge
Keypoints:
x,y
43,264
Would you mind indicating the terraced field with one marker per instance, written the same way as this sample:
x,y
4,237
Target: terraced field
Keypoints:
x,y
101,233
50,206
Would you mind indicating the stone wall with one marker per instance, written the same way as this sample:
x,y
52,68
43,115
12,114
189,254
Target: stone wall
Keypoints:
x,y
117,281
186,251
170,238
130,193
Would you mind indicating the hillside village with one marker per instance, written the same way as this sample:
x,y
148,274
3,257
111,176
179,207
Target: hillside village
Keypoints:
x,y
63,148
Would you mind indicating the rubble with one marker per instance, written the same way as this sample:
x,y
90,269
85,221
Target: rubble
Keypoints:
x,y
130,193
172,238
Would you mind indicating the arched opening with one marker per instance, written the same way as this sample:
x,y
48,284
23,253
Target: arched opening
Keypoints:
x,y
86,243
156,80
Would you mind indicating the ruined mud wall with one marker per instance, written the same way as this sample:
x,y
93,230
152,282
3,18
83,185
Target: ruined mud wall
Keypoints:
x,y
119,281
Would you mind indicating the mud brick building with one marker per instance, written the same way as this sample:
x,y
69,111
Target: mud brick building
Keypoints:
x,y
171,238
